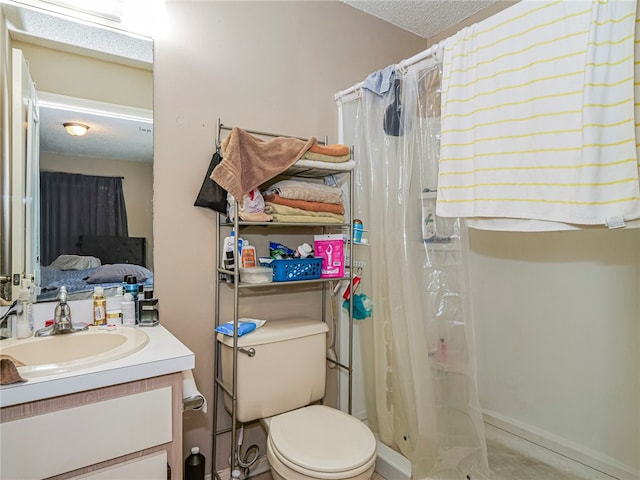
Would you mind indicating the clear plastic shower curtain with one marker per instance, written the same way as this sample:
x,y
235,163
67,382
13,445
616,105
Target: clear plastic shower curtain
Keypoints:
x,y
418,347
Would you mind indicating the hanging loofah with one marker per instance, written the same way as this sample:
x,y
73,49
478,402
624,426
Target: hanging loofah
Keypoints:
x,y
362,306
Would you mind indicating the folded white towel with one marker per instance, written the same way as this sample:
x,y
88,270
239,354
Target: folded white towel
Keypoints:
x,y
538,115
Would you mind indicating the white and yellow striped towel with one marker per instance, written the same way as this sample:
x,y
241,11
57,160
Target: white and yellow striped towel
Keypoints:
x,y
538,115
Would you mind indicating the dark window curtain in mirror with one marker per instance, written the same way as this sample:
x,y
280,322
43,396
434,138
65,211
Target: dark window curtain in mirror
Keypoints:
x,y
72,205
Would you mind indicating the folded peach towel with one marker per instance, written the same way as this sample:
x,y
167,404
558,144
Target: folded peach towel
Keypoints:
x,y
249,161
336,150
326,158
306,205
9,371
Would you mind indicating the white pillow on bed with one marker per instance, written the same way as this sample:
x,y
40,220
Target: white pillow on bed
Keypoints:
x,y
75,262
116,272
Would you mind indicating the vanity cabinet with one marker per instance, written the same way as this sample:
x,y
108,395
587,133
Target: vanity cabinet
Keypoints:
x,y
128,430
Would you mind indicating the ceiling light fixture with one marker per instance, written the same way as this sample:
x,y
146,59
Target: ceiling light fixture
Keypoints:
x,y
75,129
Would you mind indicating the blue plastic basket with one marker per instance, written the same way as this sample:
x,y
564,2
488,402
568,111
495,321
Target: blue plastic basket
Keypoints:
x,y
295,269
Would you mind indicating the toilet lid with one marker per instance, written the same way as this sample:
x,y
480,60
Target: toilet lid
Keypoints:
x,y
321,439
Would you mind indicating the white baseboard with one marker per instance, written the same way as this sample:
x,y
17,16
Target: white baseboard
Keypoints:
x,y
579,453
391,464
261,466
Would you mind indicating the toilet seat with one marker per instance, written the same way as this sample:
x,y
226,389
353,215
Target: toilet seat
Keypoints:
x,y
322,442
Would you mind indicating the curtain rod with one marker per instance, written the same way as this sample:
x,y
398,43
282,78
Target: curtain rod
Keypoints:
x,y
221,126
402,66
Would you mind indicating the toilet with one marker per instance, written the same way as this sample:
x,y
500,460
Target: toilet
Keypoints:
x,y
279,386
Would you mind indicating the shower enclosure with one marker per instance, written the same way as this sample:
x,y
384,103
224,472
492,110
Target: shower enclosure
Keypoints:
x,y
417,348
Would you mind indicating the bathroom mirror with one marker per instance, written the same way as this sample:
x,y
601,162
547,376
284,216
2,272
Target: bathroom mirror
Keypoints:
x,y
87,69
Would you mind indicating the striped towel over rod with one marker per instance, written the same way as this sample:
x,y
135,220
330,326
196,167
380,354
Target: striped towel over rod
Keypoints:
x,y
538,115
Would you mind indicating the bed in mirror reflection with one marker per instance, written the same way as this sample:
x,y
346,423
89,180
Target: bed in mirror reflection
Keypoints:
x,y
97,261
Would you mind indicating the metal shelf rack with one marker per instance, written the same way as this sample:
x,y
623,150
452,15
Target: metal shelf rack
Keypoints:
x,y
219,387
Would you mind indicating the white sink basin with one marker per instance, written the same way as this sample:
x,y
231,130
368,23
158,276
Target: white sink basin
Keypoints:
x,y
73,351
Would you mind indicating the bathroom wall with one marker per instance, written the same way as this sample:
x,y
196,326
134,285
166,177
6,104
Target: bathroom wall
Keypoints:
x,y
270,66
91,78
557,333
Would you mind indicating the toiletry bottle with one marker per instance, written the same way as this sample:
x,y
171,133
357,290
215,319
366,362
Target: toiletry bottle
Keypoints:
x,y
99,306
131,286
227,251
228,257
303,251
357,230
114,317
148,309
114,302
248,255
194,465
128,311
24,314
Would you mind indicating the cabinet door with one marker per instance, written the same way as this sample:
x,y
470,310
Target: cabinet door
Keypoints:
x,y
77,437
149,467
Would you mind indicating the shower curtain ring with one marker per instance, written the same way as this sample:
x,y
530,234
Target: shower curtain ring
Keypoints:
x,y
402,70
438,51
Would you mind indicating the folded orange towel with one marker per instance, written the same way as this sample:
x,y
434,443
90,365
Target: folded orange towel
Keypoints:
x,y
306,205
335,150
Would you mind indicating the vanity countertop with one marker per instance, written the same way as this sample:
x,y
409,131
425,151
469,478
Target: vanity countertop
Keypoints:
x,y
164,354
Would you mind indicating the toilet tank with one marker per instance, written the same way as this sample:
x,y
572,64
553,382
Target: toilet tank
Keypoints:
x,y
287,371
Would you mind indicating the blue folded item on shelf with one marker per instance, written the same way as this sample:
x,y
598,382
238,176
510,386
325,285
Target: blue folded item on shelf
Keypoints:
x,y
243,328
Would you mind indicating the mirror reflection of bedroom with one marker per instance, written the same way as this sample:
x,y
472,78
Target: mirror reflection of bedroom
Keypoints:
x,y
96,184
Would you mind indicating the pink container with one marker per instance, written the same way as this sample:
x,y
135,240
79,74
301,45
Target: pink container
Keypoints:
x,y
331,249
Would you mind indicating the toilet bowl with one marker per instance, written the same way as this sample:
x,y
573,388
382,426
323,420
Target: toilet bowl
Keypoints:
x,y
279,384
318,442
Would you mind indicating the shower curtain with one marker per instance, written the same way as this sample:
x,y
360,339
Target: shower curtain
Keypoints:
x,y
417,348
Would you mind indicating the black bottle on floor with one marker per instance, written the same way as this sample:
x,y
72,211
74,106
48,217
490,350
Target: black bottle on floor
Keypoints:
x,y
194,465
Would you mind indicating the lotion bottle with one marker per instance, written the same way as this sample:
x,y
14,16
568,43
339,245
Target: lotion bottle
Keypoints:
x,y
24,315
99,306
128,307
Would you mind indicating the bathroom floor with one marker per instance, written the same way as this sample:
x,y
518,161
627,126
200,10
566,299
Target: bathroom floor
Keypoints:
x,y
513,458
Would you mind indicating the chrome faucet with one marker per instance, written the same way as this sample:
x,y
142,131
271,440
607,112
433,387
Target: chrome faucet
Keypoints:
x,y
61,318
5,317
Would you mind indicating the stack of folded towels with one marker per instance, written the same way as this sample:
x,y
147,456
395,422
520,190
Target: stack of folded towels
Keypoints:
x,y
297,201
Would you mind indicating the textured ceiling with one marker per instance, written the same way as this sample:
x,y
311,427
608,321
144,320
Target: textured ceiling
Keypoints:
x,y
115,132
54,30
425,18
111,135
